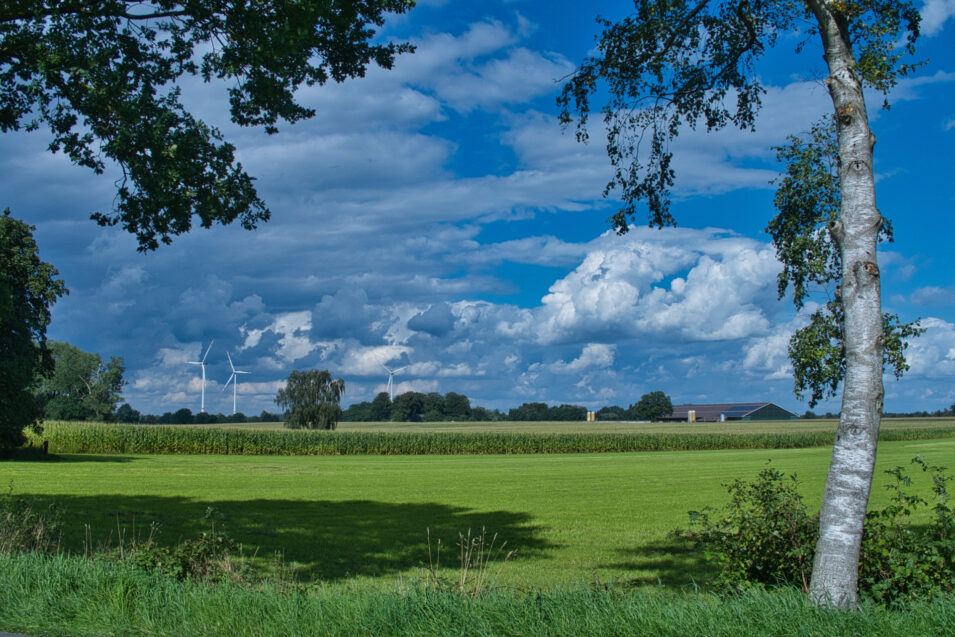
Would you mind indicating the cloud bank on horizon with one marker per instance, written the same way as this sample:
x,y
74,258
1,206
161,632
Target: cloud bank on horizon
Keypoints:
x,y
435,216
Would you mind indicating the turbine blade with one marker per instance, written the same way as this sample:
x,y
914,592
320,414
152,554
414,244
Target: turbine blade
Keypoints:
x,y
207,350
226,386
230,362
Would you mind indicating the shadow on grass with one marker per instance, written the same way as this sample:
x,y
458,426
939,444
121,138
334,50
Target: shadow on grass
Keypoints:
x,y
36,454
326,540
673,563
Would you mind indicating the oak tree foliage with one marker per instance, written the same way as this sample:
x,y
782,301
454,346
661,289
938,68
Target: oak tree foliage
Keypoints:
x,y
652,406
104,78
82,386
28,290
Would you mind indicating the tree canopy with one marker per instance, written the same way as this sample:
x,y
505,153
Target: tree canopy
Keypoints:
x,y
677,64
82,386
652,406
28,289
311,400
105,79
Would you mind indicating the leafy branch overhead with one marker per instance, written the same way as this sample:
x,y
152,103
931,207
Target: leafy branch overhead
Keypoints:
x,y
103,78
681,63
807,202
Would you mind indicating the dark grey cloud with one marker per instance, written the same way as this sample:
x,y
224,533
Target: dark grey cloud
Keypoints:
x,y
437,320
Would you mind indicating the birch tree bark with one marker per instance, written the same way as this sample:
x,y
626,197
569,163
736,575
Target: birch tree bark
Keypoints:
x,y
856,232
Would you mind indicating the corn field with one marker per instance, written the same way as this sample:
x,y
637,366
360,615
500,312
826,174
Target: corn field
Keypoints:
x,y
151,439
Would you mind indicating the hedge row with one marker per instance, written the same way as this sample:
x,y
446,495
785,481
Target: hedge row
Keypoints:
x,y
94,438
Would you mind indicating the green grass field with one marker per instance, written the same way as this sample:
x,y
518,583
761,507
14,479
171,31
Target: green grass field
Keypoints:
x,y
77,597
573,518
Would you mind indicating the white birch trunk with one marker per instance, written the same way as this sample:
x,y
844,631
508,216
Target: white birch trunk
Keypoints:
x,y
835,570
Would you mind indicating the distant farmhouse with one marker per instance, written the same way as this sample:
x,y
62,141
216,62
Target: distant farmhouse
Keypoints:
x,y
722,412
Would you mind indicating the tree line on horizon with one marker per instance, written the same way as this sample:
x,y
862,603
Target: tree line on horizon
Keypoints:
x,y
433,407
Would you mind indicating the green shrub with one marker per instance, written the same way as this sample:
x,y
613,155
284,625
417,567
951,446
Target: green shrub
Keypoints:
x,y
208,558
899,561
766,537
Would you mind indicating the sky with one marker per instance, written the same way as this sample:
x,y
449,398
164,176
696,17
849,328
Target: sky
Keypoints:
x,y
435,217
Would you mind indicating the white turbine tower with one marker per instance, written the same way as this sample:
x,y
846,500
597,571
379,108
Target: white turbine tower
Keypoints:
x,y
202,363
391,381
234,380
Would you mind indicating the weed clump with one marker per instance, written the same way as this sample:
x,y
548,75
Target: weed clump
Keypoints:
x,y
475,569
25,528
211,557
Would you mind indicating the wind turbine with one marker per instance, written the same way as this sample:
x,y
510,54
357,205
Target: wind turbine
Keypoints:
x,y
202,363
391,381
234,380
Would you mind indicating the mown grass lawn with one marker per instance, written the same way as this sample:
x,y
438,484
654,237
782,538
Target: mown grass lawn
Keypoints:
x,y
572,518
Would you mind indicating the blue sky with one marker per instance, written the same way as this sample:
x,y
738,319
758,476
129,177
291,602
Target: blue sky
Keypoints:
x,y
436,216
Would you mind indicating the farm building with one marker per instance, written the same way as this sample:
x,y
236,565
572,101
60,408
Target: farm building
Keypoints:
x,y
728,411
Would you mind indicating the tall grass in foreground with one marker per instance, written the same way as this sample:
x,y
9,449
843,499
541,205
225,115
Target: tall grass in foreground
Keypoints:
x,y
75,596
133,439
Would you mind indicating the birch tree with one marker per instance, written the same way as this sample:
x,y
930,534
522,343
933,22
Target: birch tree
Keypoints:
x,y
674,64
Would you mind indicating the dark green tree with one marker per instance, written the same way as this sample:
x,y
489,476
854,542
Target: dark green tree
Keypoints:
x,y
126,414
311,400
529,412
652,407
675,64
456,406
205,418
357,412
408,407
28,289
380,408
82,386
104,78
433,407
182,416
612,412
567,413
